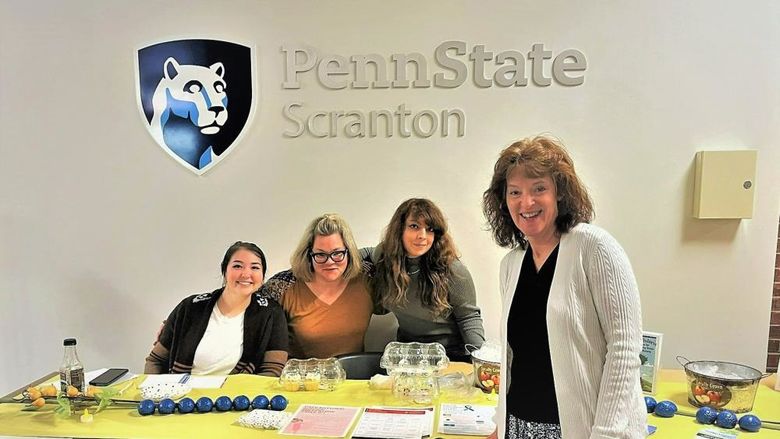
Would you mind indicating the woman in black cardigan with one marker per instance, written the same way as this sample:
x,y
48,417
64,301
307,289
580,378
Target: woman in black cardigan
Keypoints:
x,y
229,330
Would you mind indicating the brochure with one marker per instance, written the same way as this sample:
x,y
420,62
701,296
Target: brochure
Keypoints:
x,y
394,423
466,419
321,421
650,358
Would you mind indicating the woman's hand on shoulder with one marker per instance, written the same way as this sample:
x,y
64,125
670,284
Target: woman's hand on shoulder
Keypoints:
x,y
277,285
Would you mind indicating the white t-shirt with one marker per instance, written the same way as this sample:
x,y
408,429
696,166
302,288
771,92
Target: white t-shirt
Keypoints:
x,y
221,346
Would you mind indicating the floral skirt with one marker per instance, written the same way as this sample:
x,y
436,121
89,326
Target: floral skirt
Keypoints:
x,y
516,428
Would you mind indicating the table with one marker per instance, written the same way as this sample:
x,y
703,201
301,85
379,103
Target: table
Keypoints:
x,y
672,386
125,422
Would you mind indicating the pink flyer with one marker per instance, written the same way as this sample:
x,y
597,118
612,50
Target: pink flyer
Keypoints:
x,y
321,421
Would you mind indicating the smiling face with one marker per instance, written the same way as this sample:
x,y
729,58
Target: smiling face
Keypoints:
x,y
533,206
329,271
244,273
418,237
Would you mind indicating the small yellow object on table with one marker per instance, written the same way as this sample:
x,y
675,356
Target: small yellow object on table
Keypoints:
x,y
86,417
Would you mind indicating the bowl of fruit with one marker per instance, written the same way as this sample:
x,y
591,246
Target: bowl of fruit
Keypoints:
x,y
721,385
487,367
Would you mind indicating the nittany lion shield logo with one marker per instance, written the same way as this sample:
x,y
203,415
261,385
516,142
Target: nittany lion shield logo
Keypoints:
x,y
197,97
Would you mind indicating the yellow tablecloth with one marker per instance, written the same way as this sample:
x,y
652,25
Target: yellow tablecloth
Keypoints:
x,y
125,422
672,387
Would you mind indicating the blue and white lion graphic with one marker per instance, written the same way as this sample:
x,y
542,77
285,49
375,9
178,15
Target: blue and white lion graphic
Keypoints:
x,y
192,93
183,90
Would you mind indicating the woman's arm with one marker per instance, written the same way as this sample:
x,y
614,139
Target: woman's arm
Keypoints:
x,y
368,258
463,299
277,285
158,360
616,299
275,355
273,363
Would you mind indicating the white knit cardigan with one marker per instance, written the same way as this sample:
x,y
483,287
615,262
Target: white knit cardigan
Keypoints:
x,y
594,326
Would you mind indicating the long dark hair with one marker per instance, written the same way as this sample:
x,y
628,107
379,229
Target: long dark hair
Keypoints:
x,y
391,280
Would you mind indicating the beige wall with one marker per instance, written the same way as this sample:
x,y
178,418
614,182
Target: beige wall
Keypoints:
x,y
102,233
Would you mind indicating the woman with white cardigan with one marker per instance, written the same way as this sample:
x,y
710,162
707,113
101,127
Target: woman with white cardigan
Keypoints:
x,y
572,325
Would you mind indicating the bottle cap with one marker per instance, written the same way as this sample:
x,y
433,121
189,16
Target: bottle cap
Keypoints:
x,y
69,342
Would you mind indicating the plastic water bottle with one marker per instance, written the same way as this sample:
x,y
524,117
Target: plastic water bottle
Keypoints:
x,y
71,370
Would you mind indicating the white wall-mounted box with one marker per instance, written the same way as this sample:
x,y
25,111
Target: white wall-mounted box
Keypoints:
x,y
724,184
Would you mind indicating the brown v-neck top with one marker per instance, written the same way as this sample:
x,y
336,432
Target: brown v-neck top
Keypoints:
x,y
321,330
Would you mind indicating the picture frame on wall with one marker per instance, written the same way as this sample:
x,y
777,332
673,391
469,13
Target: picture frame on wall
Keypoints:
x,y
650,360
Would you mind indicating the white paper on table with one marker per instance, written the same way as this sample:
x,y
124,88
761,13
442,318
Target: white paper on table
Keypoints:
x,y
195,381
92,374
206,381
711,433
168,378
466,419
394,423
321,421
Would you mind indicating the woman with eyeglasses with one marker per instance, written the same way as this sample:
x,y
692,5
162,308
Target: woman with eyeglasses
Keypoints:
x,y
324,294
421,280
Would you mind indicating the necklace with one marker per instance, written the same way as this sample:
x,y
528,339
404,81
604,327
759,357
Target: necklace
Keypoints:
x,y
413,272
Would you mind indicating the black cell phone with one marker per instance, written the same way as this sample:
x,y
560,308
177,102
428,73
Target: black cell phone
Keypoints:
x,y
108,377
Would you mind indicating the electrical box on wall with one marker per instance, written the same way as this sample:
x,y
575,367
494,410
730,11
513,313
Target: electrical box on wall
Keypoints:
x,y
724,184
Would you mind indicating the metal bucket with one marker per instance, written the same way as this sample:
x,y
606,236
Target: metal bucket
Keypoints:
x,y
721,385
487,374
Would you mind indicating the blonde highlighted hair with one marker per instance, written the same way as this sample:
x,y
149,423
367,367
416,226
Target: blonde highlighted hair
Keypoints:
x,y
325,225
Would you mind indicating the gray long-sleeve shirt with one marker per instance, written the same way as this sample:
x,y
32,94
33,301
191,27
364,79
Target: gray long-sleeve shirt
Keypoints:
x,y
463,325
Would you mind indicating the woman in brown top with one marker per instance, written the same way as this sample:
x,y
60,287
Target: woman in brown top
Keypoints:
x,y
325,294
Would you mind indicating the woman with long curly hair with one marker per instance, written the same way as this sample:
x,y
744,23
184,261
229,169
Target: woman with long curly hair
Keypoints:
x,y
421,280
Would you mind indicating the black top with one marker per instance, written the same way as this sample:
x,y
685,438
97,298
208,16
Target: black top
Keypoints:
x,y
265,329
531,396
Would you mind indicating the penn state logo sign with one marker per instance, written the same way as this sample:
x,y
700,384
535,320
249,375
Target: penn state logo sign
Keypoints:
x,y
197,97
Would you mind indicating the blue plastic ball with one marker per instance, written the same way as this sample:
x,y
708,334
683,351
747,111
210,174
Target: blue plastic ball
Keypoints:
x,y
706,415
146,407
223,404
650,403
750,423
260,402
166,406
241,402
726,419
204,404
186,405
665,409
278,403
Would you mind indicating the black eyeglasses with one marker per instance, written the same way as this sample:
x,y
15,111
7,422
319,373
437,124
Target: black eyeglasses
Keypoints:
x,y
336,256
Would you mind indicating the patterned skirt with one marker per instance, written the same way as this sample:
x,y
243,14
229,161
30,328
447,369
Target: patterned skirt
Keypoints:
x,y
516,428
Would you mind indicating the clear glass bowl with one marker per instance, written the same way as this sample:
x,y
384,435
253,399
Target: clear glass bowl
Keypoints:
x,y
414,368
312,374
415,357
